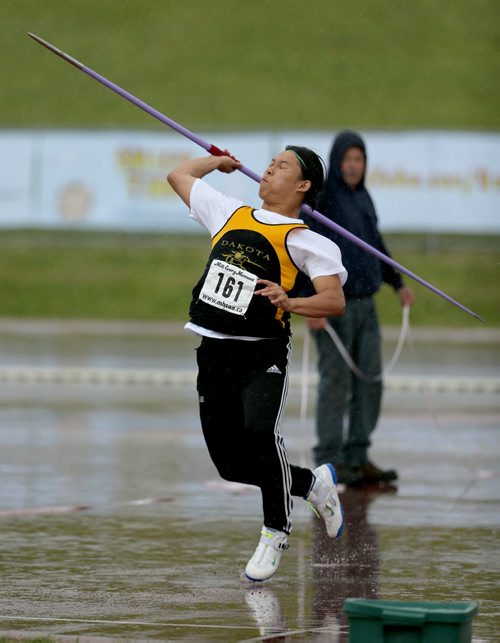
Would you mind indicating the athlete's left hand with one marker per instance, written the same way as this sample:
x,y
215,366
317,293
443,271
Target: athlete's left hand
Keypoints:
x,y
275,293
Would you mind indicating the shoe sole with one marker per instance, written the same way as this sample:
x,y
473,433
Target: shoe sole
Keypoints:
x,y
254,580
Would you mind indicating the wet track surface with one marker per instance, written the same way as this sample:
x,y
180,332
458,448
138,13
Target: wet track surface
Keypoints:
x,y
114,523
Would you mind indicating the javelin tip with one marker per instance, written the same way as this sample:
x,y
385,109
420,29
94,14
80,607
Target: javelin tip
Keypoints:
x,y
56,51
42,41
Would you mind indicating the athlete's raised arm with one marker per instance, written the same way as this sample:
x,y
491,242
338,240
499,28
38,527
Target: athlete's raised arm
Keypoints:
x,y
182,178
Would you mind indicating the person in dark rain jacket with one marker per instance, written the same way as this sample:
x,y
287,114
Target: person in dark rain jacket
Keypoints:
x,y
345,200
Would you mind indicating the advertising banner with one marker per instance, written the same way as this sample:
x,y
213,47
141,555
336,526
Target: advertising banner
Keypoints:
x,y
17,180
419,181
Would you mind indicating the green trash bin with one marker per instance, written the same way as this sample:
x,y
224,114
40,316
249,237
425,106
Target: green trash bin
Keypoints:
x,y
380,621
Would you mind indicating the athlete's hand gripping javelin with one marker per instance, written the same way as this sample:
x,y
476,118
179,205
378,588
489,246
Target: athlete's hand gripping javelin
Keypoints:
x,y
183,177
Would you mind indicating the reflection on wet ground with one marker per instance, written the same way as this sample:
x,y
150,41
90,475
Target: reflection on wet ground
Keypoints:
x,y
132,535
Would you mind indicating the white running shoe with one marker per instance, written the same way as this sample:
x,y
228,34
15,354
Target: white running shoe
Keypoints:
x,y
324,499
264,563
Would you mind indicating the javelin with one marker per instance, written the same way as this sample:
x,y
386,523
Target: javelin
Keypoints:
x,y
216,151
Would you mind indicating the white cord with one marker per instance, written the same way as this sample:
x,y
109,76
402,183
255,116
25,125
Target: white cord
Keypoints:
x,y
405,323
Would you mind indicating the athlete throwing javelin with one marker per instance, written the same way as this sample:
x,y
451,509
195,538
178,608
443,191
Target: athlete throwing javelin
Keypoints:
x,y
241,308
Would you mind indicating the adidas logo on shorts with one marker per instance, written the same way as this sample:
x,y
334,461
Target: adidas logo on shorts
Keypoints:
x,y
274,369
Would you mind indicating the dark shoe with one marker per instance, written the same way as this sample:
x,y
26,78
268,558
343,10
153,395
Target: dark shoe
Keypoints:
x,y
348,475
372,473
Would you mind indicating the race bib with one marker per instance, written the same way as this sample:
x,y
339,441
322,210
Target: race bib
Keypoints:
x,y
228,287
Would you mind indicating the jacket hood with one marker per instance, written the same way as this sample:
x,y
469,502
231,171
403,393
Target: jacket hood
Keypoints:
x,y
344,141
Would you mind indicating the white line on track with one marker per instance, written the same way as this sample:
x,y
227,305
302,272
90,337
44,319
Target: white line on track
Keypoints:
x,y
56,619
278,633
174,377
281,634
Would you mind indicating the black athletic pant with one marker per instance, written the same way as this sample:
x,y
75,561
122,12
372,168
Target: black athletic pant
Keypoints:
x,y
242,387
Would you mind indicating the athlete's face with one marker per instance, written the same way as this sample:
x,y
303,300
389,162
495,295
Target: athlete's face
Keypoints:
x,y
353,167
282,177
